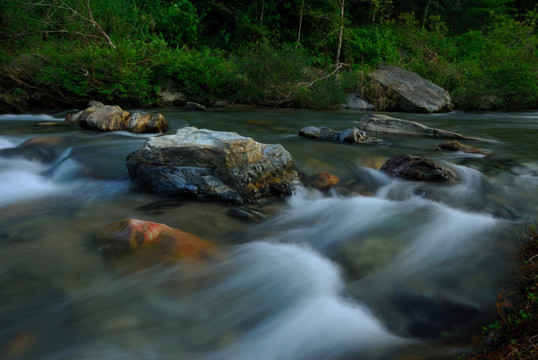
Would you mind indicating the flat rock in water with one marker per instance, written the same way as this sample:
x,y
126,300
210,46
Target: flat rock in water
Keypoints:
x,y
412,92
416,168
213,165
390,125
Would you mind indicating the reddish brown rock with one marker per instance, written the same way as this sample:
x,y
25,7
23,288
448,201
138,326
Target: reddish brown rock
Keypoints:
x,y
454,145
129,235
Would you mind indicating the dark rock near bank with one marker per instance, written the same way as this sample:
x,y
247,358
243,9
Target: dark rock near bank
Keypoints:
x,y
417,168
112,118
350,136
390,125
213,165
412,92
430,316
192,106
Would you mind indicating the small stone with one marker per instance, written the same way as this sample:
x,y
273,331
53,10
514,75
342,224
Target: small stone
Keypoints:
x,y
192,106
454,145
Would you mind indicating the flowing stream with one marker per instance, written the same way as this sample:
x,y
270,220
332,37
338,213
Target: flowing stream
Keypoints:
x,y
375,269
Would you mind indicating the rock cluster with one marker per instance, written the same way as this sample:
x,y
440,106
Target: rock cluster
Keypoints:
x,y
210,165
111,117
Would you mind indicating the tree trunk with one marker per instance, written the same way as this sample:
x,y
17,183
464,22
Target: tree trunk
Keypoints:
x,y
300,25
341,32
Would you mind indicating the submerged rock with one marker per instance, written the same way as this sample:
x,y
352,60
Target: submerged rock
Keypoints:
x,y
390,125
44,149
412,92
416,168
111,118
430,316
324,181
350,136
213,165
454,145
129,235
246,213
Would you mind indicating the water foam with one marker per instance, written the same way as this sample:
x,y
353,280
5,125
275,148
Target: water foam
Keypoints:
x,y
308,316
22,179
29,117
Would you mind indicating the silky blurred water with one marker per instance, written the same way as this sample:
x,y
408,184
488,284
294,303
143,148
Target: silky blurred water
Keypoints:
x,y
373,269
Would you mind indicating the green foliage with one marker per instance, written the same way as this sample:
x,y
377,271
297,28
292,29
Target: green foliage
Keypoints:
x,y
270,75
205,75
372,45
176,21
484,52
83,73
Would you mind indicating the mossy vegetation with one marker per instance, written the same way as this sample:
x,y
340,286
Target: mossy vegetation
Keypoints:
x,y
299,53
514,335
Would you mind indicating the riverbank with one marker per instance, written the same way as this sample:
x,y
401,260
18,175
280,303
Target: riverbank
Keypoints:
x,y
514,333
114,53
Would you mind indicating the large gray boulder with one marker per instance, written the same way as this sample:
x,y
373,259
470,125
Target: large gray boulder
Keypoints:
x,y
112,118
385,124
211,165
412,93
